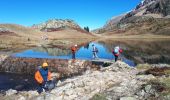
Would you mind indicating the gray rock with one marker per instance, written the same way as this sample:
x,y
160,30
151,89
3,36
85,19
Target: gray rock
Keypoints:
x,y
20,97
4,29
148,88
167,97
11,92
128,98
145,77
141,93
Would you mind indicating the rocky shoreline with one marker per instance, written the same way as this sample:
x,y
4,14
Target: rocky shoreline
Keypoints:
x,y
115,82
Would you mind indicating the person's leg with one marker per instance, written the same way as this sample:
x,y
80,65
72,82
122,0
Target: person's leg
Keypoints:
x,y
96,54
40,88
93,55
73,55
116,57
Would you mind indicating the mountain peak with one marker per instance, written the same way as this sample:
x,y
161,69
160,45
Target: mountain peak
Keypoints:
x,y
55,24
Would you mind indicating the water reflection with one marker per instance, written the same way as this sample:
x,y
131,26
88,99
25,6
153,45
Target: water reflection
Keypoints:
x,y
143,51
53,51
44,52
17,82
134,51
85,52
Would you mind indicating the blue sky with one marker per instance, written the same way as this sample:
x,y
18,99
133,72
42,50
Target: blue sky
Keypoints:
x,y
92,13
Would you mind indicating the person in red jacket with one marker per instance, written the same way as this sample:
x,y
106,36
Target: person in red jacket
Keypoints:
x,y
116,52
73,50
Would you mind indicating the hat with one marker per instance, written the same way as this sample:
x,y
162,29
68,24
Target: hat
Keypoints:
x,y
45,64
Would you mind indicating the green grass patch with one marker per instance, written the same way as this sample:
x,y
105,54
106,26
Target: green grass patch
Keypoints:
x,y
99,96
143,66
166,81
167,72
158,71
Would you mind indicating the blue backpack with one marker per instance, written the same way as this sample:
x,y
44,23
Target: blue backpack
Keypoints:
x,y
116,51
96,50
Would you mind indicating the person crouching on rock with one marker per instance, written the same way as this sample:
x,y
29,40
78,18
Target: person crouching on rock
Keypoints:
x,y
42,76
116,52
73,50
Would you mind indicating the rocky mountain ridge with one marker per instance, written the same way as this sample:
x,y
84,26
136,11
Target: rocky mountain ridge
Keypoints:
x,y
56,24
151,16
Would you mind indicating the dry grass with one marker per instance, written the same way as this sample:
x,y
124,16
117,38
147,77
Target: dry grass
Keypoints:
x,y
135,36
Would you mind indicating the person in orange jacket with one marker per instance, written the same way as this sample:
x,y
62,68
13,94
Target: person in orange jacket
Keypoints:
x,y
73,50
42,76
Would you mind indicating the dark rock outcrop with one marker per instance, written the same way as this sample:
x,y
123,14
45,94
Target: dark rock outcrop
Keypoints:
x,y
5,31
65,68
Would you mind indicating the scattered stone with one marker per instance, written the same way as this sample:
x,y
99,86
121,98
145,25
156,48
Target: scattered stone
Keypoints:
x,y
11,92
148,88
128,98
145,77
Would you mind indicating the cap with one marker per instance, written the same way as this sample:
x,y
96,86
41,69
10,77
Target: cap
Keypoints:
x,y
45,64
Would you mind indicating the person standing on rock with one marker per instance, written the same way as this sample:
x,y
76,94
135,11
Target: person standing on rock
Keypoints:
x,y
95,51
116,52
73,50
42,76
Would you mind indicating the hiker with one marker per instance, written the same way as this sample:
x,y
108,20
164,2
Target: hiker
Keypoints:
x,y
73,50
95,51
116,52
43,78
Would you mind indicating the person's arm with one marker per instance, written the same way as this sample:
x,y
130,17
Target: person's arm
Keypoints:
x,y
49,76
38,77
120,50
113,52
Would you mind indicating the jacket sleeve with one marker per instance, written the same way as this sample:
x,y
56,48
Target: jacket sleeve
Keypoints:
x,y
120,50
49,76
113,52
38,77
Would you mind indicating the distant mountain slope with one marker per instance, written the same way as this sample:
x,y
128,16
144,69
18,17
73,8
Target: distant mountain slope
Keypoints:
x,y
149,16
21,31
109,24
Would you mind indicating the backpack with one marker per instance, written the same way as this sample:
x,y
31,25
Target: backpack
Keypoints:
x,y
96,50
116,51
49,85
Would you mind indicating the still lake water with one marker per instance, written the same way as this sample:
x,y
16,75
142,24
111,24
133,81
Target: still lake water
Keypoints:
x,y
17,82
84,53
134,51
